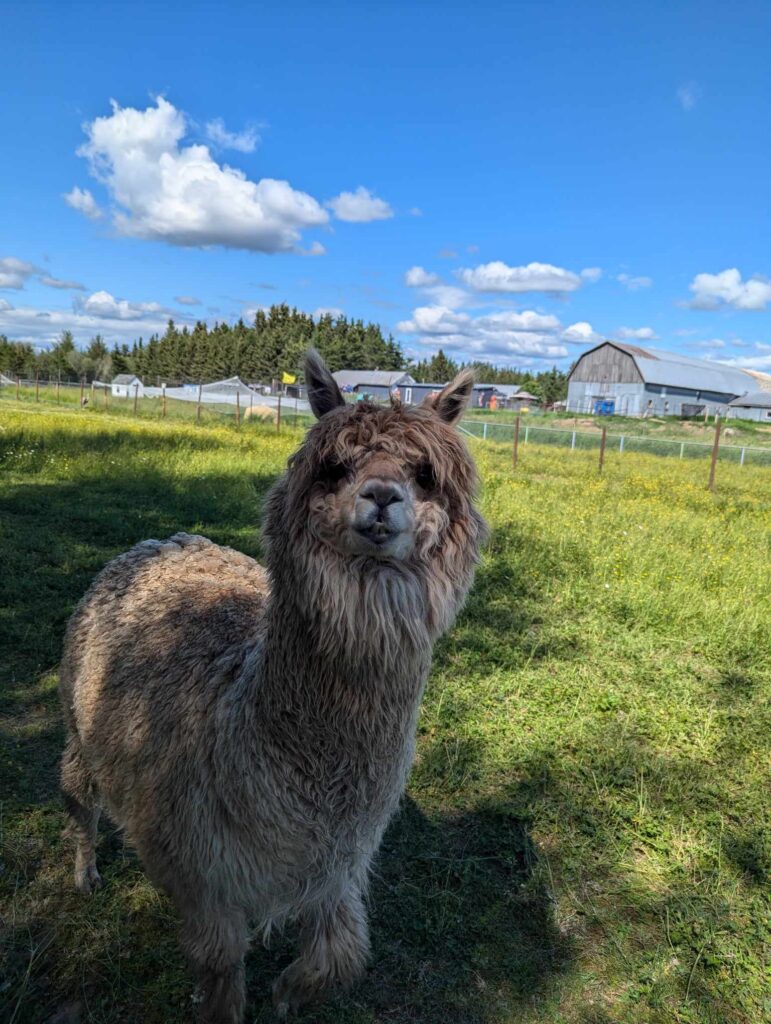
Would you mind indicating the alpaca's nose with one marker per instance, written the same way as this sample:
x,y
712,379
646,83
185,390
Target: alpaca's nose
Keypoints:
x,y
382,492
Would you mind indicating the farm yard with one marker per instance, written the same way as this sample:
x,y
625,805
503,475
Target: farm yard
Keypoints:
x,y
584,838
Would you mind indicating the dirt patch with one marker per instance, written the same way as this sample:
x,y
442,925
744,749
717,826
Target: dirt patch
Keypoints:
x,y
575,424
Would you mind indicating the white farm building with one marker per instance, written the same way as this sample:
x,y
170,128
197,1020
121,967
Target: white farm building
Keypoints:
x,y
627,380
126,385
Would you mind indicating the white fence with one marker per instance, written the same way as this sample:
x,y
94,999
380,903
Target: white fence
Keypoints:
x,y
591,439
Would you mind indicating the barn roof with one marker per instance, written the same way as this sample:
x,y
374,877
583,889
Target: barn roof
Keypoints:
x,y
509,390
377,378
671,369
754,400
125,378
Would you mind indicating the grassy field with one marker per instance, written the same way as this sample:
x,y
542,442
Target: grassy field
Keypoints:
x,y
736,433
583,840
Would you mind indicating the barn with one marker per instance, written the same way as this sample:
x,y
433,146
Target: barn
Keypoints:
x,y
754,406
628,380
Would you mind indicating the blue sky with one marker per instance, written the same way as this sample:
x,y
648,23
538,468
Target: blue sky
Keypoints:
x,y
505,181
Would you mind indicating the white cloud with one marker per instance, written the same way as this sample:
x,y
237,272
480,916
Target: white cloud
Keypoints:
x,y
315,249
727,288
637,334
5,305
187,300
14,273
103,304
505,335
168,192
712,345
115,319
434,287
581,333
415,211
634,283
56,282
359,207
417,277
752,363
82,200
591,274
243,142
535,277
332,311
688,95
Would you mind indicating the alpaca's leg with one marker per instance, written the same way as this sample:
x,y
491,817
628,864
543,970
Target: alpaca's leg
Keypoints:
x,y
79,800
215,942
335,946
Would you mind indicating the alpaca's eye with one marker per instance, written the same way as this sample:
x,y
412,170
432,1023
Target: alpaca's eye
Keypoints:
x,y
424,476
333,471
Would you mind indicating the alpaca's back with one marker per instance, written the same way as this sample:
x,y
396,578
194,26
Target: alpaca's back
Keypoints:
x,y
160,634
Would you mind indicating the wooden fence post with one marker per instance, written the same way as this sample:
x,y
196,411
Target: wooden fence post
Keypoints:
x,y
163,400
18,384
37,385
136,397
278,415
58,385
198,410
82,390
516,441
238,409
602,447
92,394
104,398
715,449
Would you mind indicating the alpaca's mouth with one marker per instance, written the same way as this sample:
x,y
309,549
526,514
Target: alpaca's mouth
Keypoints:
x,y
378,533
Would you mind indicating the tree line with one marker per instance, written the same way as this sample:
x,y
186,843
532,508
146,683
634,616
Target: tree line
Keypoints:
x,y
548,385
273,344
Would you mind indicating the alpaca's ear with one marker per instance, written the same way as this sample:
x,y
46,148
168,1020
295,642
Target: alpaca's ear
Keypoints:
x,y
450,404
323,392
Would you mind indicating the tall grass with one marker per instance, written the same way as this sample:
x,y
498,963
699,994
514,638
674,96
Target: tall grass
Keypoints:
x,y
585,833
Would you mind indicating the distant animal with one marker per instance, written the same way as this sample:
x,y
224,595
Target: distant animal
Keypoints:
x,y
251,729
262,412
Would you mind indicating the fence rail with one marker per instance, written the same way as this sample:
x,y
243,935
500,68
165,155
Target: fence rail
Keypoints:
x,y
156,401
590,440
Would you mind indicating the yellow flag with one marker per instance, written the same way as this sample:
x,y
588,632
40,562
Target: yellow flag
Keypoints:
x,y
288,378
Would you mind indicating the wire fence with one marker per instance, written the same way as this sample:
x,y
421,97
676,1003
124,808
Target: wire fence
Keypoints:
x,y
192,402
592,440
198,404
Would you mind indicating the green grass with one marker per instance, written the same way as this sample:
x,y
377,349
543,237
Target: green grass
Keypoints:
x,y
583,840
100,403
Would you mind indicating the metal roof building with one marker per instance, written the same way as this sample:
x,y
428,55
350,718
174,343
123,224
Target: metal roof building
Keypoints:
x,y
754,406
634,381
378,383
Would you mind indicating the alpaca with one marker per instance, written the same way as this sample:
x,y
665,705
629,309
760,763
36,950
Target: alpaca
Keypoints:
x,y
251,729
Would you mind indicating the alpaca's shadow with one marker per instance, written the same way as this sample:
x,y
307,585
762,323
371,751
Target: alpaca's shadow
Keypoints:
x,y
463,925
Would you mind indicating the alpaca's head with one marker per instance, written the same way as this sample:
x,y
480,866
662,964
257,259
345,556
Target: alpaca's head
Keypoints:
x,y
379,492
383,483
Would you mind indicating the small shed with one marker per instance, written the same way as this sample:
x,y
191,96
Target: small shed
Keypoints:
x,y
756,405
523,400
126,385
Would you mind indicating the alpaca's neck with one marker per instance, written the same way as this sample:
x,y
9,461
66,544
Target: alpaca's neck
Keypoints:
x,y
345,640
